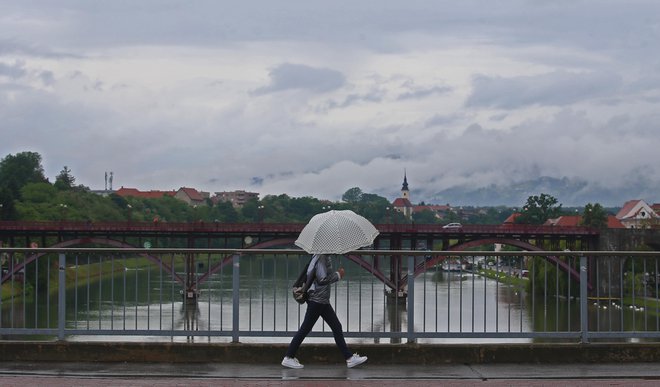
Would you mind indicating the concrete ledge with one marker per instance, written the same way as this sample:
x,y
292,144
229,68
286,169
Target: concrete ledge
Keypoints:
x,y
326,353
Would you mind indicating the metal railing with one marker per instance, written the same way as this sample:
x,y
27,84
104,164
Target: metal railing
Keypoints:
x,y
293,228
244,295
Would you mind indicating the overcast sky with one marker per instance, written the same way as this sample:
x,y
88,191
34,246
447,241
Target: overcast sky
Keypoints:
x,y
311,98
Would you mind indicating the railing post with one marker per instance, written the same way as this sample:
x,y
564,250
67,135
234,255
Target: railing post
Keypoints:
x,y
61,297
235,297
410,299
584,305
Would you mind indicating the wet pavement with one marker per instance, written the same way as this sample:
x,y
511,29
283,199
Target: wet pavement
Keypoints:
x,y
100,374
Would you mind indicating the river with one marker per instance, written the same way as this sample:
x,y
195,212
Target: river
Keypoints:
x,y
448,303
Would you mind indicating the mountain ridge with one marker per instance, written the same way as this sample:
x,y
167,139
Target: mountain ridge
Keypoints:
x,y
568,191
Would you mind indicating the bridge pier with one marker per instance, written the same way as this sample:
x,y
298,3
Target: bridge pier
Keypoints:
x,y
190,296
191,292
396,296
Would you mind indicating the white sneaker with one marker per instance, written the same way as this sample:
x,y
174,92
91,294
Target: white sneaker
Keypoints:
x,y
292,362
355,360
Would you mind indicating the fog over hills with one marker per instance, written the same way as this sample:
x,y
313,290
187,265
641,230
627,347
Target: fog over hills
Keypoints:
x,y
569,192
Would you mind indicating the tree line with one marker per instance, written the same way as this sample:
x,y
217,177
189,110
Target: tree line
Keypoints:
x,y
27,194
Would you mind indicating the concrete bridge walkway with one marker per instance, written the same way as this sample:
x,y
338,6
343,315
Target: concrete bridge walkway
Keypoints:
x,y
55,374
207,364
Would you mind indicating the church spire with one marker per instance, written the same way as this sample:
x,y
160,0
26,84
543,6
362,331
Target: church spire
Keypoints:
x,y
405,193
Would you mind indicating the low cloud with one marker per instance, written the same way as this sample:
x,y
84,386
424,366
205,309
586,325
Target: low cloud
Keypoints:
x,y
374,96
557,88
13,71
423,92
290,76
309,98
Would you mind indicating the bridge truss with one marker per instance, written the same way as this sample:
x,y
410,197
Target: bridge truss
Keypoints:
x,y
282,235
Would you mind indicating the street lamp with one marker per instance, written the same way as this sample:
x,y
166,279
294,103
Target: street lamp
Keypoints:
x,y
261,213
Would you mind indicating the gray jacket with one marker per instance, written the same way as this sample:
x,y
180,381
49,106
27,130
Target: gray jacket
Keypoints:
x,y
319,291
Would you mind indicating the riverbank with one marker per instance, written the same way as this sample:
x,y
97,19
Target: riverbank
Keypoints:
x,y
90,272
504,277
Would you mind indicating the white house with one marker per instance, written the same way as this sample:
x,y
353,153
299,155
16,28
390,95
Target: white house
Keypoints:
x,y
637,214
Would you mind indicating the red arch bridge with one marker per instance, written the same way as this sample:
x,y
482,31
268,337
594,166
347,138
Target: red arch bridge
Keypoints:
x,y
204,235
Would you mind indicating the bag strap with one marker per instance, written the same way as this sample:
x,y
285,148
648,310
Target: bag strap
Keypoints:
x,y
311,278
301,277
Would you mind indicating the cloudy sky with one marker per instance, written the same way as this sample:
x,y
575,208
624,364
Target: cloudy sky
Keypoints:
x,y
311,98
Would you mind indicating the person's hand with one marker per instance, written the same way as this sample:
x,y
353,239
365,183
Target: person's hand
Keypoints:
x,y
341,272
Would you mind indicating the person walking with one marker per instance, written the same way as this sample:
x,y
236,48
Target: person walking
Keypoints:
x,y
318,305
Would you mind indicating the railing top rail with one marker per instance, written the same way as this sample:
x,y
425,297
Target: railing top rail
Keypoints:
x,y
219,227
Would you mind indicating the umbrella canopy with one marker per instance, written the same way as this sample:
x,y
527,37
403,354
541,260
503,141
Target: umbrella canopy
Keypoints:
x,y
336,232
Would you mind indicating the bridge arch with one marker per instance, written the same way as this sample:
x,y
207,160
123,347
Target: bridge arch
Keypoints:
x,y
370,267
227,259
433,261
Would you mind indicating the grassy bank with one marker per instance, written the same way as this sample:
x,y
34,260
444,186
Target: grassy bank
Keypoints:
x,y
503,277
94,272
648,305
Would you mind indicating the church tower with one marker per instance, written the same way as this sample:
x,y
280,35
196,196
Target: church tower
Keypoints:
x,y
405,192
402,204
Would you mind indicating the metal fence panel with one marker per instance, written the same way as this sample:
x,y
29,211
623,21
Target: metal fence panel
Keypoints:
x,y
244,295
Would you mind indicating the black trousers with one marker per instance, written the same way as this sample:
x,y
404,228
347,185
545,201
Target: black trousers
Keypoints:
x,y
314,311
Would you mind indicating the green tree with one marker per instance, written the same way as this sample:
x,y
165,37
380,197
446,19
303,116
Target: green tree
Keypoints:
x,y
7,205
452,217
119,201
224,212
373,207
489,215
19,170
303,208
38,202
554,280
352,195
38,193
594,215
424,217
538,209
273,208
65,180
250,211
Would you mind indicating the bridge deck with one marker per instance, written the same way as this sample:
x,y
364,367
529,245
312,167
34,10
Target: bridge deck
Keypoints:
x,y
287,228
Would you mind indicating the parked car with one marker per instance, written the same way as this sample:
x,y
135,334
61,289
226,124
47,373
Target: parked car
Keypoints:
x,y
452,225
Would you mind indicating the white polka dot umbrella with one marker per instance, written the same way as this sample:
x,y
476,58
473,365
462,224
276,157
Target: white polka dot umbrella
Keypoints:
x,y
336,232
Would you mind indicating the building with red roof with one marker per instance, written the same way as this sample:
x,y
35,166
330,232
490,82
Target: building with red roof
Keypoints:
x,y
134,192
565,221
576,220
512,218
613,222
656,208
191,196
440,211
637,214
236,198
